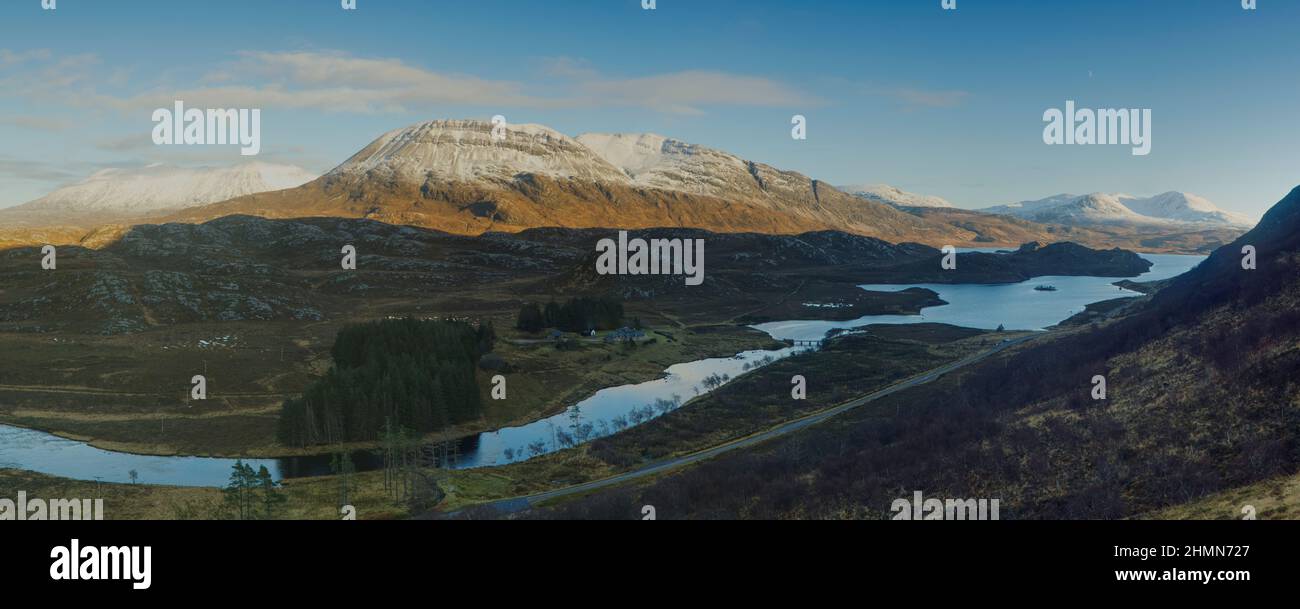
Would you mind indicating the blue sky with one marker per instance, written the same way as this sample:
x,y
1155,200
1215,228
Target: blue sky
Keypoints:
x,y
947,103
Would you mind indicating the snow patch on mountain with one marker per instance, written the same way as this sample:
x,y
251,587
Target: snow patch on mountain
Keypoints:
x,y
655,161
884,193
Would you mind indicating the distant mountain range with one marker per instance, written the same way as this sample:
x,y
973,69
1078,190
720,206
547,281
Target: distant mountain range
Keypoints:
x,y
1094,209
461,177
1101,208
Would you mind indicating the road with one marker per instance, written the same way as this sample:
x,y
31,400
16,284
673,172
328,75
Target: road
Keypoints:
x,y
517,504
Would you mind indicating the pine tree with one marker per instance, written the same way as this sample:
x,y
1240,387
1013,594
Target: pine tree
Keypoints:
x,y
271,496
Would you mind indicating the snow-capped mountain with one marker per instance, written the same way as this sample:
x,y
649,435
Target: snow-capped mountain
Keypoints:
x,y
1170,208
454,175
884,193
158,188
1096,208
1186,207
467,151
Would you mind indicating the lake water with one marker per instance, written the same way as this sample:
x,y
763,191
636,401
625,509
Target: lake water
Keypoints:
x,y
1016,306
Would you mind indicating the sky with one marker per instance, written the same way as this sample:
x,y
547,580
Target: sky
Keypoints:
x,y
940,102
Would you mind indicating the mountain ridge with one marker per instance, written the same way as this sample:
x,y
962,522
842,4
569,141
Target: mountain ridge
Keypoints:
x,y
470,177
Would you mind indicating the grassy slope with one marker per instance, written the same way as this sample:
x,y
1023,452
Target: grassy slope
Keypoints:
x,y
1273,499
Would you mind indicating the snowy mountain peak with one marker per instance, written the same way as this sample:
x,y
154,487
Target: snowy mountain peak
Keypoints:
x,y
884,193
1186,207
467,150
464,150
159,187
1100,207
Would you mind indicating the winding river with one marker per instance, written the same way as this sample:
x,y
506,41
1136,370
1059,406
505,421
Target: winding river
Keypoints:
x,y
1015,306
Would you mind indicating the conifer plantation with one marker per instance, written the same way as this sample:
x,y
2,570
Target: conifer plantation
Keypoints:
x,y
575,315
417,374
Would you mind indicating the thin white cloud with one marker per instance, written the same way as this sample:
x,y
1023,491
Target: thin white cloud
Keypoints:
x,y
135,141
340,82
37,123
683,92
907,97
568,68
23,169
12,58
41,77
689,92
